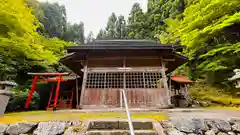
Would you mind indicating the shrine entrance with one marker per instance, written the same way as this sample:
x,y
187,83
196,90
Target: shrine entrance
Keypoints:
x,y
143,79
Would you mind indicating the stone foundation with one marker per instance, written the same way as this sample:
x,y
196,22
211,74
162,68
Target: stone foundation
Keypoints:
x,y
201,127
174,127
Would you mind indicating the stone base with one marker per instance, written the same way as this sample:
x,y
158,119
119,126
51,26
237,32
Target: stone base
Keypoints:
x,y
3,103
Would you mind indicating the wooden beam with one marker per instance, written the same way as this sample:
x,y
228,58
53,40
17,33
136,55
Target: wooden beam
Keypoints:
x,y
168,59
128,69
49,74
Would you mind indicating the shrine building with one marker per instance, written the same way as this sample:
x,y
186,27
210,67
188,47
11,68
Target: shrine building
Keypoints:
x,y
102,68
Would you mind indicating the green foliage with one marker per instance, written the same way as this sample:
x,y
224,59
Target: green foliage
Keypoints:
x,y
209,29
21,47
18,100
74,33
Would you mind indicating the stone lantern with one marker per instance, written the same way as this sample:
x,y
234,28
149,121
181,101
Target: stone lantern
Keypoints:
x,y
5,94
236,78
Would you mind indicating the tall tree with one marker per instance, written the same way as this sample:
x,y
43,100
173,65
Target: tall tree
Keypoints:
x,y
90,37
136,23
111,26
159,10
101,35
121,28
55,19
74,33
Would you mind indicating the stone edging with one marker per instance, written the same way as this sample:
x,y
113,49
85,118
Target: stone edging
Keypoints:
x,y
201,127
174,127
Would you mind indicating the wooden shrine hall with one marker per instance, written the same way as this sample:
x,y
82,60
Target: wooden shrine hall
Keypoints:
x,y
137,66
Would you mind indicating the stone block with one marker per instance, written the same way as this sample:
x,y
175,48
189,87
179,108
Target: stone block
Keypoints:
x,y
223,125
3,128
210,132
21,128
173,131
137,125
222,133
190,125
50,128
98,125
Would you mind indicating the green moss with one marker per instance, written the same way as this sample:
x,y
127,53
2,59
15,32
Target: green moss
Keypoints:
x,y
38,116
215,96
78,128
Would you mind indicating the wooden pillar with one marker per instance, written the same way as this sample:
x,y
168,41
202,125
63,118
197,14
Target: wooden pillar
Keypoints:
x,y
77,99
50,98
71,100
163,64
85,72
57,92
31,91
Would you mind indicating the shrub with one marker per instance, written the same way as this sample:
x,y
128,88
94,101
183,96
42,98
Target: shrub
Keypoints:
x,y
18,100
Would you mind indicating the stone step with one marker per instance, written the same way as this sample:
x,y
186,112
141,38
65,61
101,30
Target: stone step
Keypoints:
x,y
120,132
121,125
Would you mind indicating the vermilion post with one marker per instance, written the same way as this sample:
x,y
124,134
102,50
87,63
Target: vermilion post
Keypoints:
x,y
31,91
50,98
57,91
71,97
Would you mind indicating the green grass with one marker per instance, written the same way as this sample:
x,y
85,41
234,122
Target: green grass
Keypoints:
x,y
216,97
38,116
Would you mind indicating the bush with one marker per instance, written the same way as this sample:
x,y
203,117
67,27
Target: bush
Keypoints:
x,y
18,100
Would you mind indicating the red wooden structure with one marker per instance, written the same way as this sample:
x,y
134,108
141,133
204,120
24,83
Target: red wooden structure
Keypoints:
x,y
181,79
58,80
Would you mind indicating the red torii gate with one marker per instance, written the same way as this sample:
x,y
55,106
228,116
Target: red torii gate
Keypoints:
x,y
36,77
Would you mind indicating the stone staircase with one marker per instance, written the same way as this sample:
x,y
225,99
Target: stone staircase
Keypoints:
x,y
120,127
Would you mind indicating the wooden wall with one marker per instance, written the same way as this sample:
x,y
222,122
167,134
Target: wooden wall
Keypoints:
x,y
138,97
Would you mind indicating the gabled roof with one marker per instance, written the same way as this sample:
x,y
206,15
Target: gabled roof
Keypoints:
x,y
108,48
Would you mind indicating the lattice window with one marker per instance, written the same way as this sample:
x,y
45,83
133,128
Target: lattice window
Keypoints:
x,y
116,80
104,80
135,80
153,80
95,80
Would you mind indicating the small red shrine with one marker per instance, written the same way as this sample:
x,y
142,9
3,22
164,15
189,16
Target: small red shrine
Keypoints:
x,y
179,90
58,98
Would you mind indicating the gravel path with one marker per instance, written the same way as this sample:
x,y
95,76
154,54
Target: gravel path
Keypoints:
x,y
205,114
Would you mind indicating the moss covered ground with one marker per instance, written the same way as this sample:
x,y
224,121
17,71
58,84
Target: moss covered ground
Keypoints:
x,y
38,116
216,97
